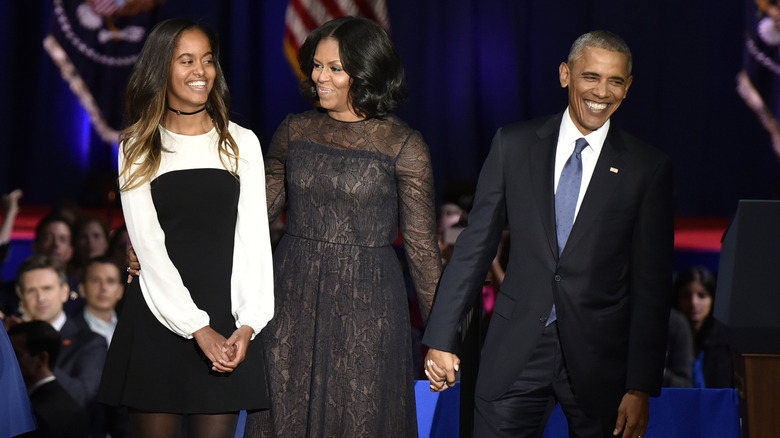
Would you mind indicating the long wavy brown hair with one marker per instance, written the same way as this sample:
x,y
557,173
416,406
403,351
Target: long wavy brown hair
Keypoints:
x,y
146,104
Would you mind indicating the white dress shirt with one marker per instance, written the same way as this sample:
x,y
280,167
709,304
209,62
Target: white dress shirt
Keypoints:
x,y
567,136
100,326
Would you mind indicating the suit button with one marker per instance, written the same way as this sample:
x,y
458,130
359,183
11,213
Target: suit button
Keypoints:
x,y
557,277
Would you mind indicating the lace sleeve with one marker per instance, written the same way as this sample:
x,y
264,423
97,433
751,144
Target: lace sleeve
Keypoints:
x,y
275,171
418,218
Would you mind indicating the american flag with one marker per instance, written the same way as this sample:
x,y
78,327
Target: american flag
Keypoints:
x,y
758,83
105,7
303,16
96,53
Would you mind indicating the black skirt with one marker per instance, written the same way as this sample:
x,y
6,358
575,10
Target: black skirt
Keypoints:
x,y
149,367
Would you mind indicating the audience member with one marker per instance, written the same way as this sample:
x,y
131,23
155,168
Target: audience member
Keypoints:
x,y
92,235
713,362
42,288
119,244
679,360
450,222
54,238
101,288
90,240
10,210
68,210
16,415
37,346
9,301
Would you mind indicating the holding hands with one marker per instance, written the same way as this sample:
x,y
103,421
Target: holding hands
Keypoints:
x,y
216,348
239,342
440,368
225,354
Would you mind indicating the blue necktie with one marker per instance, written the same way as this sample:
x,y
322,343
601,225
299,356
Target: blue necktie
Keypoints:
x,y
566,201
567,194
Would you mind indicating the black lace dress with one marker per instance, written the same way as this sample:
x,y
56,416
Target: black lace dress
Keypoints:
x,y
338,349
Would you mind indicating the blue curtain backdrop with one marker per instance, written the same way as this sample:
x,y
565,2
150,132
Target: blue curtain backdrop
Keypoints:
x,y
472,66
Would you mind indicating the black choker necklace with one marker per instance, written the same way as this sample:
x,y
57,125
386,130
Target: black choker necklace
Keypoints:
x,y
182,113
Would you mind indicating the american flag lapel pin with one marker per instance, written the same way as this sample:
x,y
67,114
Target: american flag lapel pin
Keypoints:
x,y
613,169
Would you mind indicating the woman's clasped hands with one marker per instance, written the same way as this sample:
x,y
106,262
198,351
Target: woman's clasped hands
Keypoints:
x,y
225,354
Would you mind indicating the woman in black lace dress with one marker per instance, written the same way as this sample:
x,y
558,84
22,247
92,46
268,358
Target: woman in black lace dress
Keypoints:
x,y
338,349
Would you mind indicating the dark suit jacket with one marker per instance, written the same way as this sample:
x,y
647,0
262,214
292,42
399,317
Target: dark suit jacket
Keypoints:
x,y
718,367
80,363
9,300
679,352
57,413
611,286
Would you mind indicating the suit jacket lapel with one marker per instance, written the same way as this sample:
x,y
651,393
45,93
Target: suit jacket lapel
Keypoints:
x,y
543,152
606,176
67,337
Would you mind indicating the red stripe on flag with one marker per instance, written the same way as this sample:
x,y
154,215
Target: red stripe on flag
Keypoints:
x,y
291,53
304,15
366,10
311,18
333,8
104,7
290,38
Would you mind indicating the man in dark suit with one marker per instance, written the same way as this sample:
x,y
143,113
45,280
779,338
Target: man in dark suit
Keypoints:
x,y
43,289
582,314
37,346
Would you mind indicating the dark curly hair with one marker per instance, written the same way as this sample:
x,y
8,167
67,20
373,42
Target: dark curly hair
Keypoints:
x,y
368,57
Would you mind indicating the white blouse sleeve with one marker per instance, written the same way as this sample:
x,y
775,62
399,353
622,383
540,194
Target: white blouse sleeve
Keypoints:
x,y
252,283
162,287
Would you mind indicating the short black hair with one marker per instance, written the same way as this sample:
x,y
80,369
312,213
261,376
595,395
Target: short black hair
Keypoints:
x,y
602,39
39,336
368,57
104,260
48,220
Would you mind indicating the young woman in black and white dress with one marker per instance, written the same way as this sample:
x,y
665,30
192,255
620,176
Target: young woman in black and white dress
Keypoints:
x,y
193,195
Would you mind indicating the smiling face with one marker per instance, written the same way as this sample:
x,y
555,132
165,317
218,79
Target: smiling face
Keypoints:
x,y
598,80
332,81
192,72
